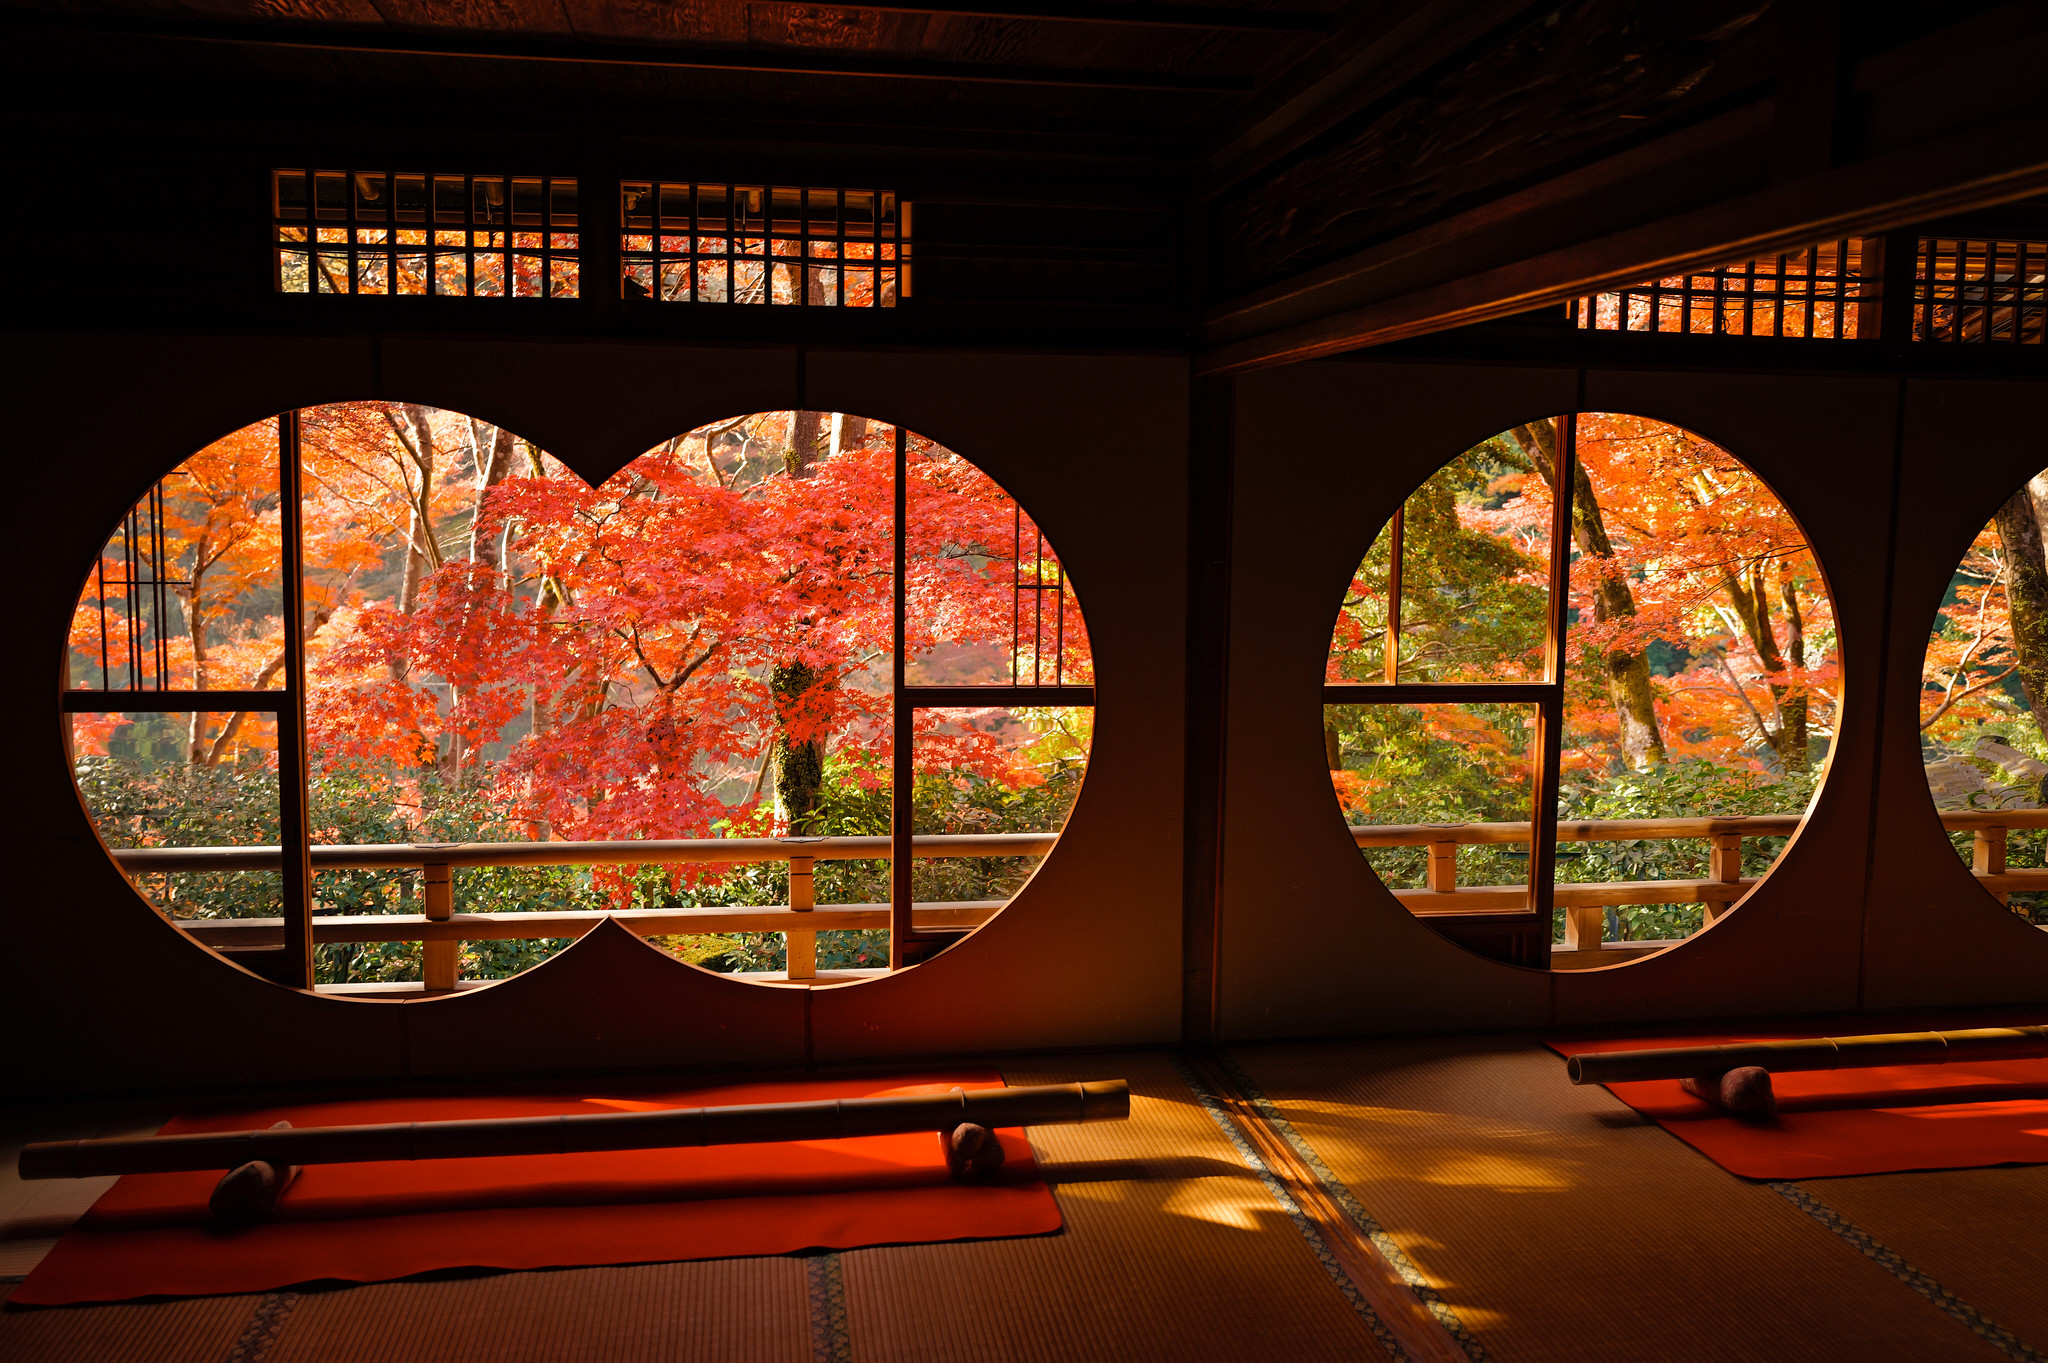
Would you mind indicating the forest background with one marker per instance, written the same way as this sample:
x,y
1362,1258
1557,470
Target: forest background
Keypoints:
x,y
497,651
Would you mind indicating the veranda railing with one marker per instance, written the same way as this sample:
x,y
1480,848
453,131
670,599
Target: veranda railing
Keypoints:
x,y
1585,905
440,928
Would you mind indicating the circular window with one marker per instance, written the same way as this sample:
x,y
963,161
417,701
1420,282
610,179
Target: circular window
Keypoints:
x,y
1584,757
796,696
1984,702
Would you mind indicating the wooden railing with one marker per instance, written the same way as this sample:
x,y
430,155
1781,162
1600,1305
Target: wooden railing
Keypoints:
x,y
441,929
1585,905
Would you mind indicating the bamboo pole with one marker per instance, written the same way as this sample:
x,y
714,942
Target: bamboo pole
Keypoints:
x,y
1819,1053
1104,1100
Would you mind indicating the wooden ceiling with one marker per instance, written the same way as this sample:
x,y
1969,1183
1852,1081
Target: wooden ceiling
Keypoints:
x,y
1147,69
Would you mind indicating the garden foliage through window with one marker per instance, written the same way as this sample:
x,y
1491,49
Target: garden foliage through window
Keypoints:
x,y
1984,699
705,647
368,232
1678,666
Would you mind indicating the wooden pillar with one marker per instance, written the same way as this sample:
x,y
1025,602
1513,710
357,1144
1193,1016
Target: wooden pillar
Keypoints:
x,y
1724,863
1987,857
294,966
1584,926
802,947
1212,425
442,959
1442,874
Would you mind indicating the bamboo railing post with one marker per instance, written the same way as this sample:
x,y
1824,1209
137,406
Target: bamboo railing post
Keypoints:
x,y
1987,857
442,959
1724,864
802,947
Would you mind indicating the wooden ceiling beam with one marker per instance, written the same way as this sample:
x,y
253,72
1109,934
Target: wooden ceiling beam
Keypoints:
x,y
473,45
1218,18
1987,165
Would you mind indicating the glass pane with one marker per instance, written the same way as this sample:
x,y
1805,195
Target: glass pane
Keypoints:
x,y
487,200
749,203
411,198
987,599
562,203
1984,698
788,211
330,194
1473,570
749,281
373,195
526,203
675,207
562,281
1440,799
860,213
1702,669
290,190
712,203
187,591
987,772
184,780
636,205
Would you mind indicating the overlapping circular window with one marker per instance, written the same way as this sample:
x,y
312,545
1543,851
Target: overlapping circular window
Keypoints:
x,y
795,695
1984,704
1577,729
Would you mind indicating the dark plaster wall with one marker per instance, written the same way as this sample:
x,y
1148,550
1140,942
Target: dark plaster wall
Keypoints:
x,y
1869,908
102,993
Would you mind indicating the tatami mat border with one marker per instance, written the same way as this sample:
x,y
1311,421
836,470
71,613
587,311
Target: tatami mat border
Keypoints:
x,y
1990,1331
266,1322
1278,1190
825,1285
1367,1225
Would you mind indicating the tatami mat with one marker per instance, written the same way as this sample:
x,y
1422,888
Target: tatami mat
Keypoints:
x,y
723,1310
1173,1249
1560,1225
1552,1221
1980,1233
201,1330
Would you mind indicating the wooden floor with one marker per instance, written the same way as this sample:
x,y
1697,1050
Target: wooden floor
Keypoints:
x,y
1488,1211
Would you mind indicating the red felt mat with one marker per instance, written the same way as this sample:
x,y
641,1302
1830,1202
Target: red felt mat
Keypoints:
x,y
1962,1115
149,1234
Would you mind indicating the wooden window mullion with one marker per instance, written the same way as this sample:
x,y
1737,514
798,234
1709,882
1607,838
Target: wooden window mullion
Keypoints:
x,y
294,830
902,930
1550,710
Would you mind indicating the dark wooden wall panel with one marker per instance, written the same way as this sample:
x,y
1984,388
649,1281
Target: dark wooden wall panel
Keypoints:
x,y
1934,935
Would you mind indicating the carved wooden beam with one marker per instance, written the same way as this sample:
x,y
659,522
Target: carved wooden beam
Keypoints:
x,y
489,46
1952,175
1930,139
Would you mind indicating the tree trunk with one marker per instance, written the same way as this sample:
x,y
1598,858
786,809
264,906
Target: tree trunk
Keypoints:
x,y
419,552
1752,605
799,763
1795,708
195,625
2019,535
848,432
805,428
270,670
1627,671
492,467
